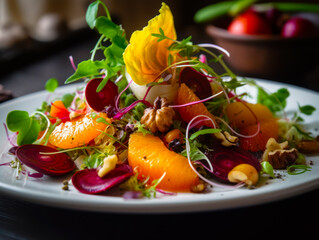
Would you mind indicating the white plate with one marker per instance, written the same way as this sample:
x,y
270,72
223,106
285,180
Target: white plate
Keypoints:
x,y
48,191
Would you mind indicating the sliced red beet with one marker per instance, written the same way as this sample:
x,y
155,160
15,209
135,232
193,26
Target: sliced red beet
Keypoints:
x,y
104,98
34,157
196,81
224,159
88,181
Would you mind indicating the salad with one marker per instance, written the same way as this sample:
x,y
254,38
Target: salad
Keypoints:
x,y
154,117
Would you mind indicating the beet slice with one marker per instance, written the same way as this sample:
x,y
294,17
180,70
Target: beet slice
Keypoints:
x,y
88,181
224,159
34,156
197,82
104,98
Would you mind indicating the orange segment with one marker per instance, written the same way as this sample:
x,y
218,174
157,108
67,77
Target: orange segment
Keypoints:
x,y
77,132
149,155
186,95
268,129
59,110
240,114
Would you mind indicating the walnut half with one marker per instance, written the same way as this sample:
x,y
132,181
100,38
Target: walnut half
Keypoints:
x,y
160,117
281,159
277,154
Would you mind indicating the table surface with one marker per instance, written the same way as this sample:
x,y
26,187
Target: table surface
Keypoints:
x,y
26,220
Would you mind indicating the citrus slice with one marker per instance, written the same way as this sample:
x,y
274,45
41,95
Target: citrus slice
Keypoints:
x,y
244,114
268,129
151,158
186,95
78,132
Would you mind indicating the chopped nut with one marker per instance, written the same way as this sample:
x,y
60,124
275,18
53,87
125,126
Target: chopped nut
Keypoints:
x,y
74,115
280,159
272,145
199,187
227,140
308,146
158,118
108,165
243,173
277,154
79,161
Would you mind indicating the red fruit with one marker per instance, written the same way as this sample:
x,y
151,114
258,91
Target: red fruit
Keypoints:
x,y
88,181
196,81
34,157
298,27
98,101
224,159
249,23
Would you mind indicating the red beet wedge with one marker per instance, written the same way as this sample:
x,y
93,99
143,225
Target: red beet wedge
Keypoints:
x,y
34,157
88,181
197,82
224,159
98,101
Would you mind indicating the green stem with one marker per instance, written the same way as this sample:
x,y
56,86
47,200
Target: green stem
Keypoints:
x,y
106,10
96,47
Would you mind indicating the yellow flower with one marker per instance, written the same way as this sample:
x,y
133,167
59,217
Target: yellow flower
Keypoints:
x,y
145,58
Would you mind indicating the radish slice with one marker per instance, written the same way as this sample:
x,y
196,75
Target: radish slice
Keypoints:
x,y
52,164
98,101
88,181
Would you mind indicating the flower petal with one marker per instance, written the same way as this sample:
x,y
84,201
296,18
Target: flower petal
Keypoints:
x,y
145,57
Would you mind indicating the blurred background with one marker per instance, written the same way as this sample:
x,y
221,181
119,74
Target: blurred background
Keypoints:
x,y
37,38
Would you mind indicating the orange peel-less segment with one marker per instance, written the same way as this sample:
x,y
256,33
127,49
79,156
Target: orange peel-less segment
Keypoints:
x,y
268,129
186,95
246,117
78,132
244,114
151,158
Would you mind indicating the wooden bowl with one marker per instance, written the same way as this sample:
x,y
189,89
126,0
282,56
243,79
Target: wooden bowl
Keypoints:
x,y
268,57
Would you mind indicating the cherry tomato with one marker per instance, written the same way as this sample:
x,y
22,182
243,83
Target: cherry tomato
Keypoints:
x,y
249,23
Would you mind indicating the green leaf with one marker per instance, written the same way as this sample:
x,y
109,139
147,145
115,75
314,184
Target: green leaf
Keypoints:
x,y
17,120
29,135
51,85
296,7
213,11
204,131
114,55
276,101
67,99
106,27
240,6
86,69
28,127
267,168
306,109
91,13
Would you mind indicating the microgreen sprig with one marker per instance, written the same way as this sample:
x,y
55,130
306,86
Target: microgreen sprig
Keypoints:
x,y
187,49
298,169
112,42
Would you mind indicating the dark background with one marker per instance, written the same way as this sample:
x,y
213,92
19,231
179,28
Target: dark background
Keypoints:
x,y
26,67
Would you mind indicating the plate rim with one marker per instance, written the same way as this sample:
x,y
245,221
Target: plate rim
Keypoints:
x,y
151,206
